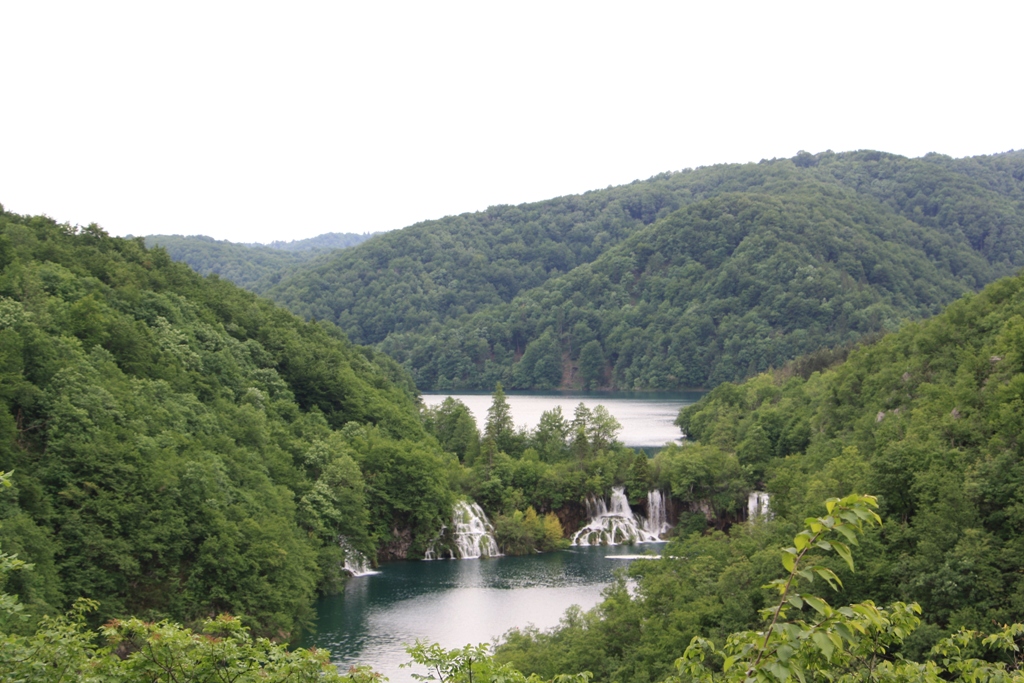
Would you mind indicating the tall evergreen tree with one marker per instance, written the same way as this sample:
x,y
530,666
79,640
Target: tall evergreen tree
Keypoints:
x,y
500,428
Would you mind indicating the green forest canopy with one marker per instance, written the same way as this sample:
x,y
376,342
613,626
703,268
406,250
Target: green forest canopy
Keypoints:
x,y
255,267
181,447
930,418
683,280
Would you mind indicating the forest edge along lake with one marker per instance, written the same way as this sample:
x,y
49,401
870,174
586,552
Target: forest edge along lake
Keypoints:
x,y
458,602
647,418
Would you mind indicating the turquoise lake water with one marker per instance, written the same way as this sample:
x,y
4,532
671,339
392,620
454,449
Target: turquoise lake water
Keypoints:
x,y
458,602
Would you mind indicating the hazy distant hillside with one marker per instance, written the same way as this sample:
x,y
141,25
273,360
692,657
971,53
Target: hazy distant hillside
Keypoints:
x,y
326,241
253,266
460,300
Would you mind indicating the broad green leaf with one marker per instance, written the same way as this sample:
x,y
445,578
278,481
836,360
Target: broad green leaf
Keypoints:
x,y
796,601
824,644
844,552
819,605
792,631
789,559
844,632
780,671
830,576
848,533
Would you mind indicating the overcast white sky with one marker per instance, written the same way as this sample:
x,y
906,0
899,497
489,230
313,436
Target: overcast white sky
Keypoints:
x,y
255,121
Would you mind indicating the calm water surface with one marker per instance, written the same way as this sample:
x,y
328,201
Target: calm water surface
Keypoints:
x,y
457,602
647,417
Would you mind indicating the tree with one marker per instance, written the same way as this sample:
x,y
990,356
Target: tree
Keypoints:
x,y
602,428
551,435
805,637
454,426
541,364
591,364
500,429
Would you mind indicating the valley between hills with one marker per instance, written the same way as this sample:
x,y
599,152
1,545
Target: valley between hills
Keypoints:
x,y
188,465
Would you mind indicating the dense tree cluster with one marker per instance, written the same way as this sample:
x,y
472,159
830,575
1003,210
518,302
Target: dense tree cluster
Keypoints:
x,y
253,266
534,482
180,447
718,291
177,448
929,417
619,288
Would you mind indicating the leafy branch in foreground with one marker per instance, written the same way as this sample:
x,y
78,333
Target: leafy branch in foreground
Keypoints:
x,y
473,664
845,644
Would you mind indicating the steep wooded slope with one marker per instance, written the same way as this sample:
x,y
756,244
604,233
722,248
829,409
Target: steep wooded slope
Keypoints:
x,y
929,418
406,289
181,447
720,290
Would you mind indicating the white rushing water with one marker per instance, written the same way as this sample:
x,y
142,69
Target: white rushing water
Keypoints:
x,y
356,563
613,522
657,515
757,505
470,535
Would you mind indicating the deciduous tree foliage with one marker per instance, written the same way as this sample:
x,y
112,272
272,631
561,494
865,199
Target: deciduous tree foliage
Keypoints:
x,y
929,417
180,447
253,266
684,280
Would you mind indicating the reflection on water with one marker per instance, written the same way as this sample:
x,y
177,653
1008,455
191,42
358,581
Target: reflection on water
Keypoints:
x,y
458,602
647,418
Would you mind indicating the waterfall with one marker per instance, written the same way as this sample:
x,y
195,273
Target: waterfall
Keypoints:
x,y
356,563
757,505
470,535
614,522
657,515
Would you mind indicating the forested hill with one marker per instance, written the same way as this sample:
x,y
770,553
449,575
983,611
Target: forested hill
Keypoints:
x,y
929,419
715,292
181,447
786,255
253,266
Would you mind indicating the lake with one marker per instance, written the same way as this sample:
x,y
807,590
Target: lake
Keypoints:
x,y
647,418
458,602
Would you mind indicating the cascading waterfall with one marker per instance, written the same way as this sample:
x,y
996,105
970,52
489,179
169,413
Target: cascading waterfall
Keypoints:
x,y
470,535
757,505
356,563
614,522
657,515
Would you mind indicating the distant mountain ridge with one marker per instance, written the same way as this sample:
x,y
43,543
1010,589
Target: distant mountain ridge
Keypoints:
x,y
468,300
251,265
328,240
